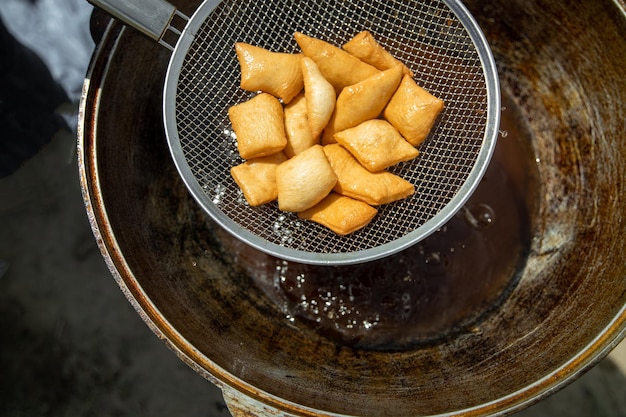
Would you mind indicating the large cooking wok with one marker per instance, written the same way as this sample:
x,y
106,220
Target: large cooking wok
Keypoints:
x,y
539,298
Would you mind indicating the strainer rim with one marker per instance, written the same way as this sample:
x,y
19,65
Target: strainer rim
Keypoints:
x,y
345,258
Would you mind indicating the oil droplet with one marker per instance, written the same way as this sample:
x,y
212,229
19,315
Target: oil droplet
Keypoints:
x,y
479,215
220,191
433,258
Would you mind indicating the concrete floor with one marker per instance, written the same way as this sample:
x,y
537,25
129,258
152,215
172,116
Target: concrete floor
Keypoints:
x,y
70,343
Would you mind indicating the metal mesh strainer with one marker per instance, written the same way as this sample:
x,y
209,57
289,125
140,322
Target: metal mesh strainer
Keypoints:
x,y
438,40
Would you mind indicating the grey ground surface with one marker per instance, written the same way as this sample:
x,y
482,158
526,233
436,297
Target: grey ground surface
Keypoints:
x,y
70,343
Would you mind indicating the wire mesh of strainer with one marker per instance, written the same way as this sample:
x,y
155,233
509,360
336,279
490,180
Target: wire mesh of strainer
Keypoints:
x,y
439,41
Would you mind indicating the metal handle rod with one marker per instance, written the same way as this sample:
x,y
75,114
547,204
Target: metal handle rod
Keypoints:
x,y
151,17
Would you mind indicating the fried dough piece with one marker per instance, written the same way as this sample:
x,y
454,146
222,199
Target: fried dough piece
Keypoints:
x,y
362,101
343,215
276,73
368,50
304,180
338,67
259,125
320,96
257,178
376,144
353,180
413,111
299,137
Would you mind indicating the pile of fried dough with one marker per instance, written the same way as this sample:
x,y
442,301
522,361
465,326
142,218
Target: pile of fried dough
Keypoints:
x,y
324,127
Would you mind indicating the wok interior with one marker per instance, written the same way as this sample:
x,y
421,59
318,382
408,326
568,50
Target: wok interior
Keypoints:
x,y
562,66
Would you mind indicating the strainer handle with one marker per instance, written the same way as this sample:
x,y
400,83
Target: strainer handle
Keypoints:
x,y
151,17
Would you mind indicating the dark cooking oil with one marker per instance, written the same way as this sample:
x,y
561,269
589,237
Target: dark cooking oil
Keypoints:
x,y
440,286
